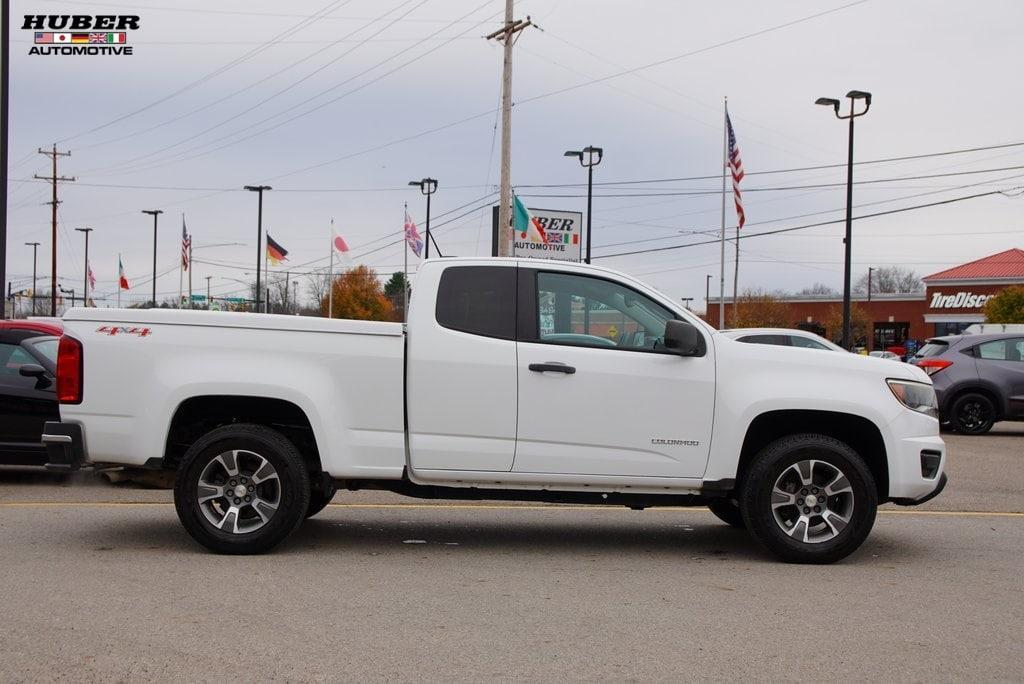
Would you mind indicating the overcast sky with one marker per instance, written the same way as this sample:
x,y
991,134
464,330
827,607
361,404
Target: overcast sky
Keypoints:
x,y
339,114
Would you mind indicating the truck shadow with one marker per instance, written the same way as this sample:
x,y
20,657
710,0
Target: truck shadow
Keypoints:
x,y
396,536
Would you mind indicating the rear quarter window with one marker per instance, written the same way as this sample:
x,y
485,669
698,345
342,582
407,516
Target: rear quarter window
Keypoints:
x,y
478,299
933,348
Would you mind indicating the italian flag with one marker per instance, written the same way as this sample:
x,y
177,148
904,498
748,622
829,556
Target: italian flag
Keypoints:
x,y
527,226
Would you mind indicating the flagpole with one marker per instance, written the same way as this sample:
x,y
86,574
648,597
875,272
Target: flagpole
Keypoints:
x,y
330,276
191,267
736,278
405,270
725,152
266,276
118,281
181,262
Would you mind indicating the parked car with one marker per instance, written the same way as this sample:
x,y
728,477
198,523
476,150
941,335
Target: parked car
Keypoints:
x,y
499,387
47,326
891,356
978,379
784,337
28,364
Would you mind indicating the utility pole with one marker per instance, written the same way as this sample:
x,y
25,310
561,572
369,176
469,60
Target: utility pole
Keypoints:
x,y
35,247
208,292
5,90
53,178
85,276
259,240
507,34
707,293
155,213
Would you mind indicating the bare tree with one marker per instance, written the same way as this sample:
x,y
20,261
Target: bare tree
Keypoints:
x,y
890,280
318,283
818,289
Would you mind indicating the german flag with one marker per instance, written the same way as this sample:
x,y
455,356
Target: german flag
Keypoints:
x,y
275,252
79,37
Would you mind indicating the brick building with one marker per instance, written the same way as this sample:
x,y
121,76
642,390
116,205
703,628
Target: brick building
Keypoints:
x,y
952,300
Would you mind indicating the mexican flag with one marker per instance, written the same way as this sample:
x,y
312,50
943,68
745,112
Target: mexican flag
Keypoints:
x,y
122,279
528,227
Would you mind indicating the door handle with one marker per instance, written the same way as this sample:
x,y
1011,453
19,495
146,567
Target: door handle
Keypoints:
x,y
553,367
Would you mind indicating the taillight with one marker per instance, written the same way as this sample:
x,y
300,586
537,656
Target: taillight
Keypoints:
x,y
69,371
933,366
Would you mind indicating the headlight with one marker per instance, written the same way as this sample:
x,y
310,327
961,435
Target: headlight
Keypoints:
x,y
916,396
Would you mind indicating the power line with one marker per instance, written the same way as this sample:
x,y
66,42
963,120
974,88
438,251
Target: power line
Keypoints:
x,y
810,225
216,72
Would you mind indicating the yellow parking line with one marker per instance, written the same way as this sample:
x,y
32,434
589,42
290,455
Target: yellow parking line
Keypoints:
x,y
492,507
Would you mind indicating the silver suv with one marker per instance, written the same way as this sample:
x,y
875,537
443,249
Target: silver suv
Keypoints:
x,y
979,379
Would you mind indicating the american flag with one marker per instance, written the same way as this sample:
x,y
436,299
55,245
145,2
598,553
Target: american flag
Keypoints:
x,y
186,245
736,167
412,236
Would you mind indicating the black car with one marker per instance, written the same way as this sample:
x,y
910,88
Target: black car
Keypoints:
x,y
28,365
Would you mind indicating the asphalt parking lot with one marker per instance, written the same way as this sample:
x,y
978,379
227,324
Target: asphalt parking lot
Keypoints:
x,y
101,583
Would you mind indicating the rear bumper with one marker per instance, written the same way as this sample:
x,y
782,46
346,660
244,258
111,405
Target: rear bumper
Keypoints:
x,y
65,446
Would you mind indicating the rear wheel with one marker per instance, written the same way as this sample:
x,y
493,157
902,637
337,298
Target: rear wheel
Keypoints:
x,y
728,511
809,499
241,489
973,414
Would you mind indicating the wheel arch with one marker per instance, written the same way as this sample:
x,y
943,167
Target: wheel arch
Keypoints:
x,y
198,415
976,387
861,434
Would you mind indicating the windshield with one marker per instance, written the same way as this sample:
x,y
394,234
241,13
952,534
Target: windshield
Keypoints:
x,y
932,348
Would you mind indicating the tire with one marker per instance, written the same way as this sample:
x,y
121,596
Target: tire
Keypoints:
x,y
266,503
319,498
728,511
775,483
973,414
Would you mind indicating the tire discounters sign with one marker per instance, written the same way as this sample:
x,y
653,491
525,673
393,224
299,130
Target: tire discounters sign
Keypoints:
x,y
564,230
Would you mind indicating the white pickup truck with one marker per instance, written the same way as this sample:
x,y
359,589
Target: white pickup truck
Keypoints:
x,y
513,379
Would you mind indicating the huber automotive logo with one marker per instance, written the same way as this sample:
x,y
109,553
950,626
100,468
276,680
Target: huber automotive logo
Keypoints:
x,y
80,34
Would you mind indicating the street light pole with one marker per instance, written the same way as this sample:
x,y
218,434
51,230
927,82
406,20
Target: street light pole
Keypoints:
x,y
870,271
259,236
590,152
85,276
154,213
707,293
853,95
427,186
35,248
208,292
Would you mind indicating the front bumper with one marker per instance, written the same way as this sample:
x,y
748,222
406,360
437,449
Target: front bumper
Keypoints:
x,y
65,446
927,497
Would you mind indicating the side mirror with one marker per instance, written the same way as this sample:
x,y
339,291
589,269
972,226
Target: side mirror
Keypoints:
x,y
683,338
31,370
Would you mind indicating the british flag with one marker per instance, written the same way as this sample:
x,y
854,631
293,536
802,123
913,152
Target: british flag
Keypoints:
x,y
736,167
412,236
97,37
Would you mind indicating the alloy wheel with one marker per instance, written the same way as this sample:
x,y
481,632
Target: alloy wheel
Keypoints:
x,y
238,491
812,501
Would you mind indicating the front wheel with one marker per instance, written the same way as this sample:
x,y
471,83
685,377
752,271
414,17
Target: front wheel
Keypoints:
x,y
973,414
241,489
809,499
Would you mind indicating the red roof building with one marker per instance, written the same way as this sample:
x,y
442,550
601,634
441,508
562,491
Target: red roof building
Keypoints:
x,y
952,300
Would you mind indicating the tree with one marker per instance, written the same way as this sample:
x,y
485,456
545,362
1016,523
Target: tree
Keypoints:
x,y
890,280
860,324
1006,307
318,282
358,295
394,286
758,309
818,289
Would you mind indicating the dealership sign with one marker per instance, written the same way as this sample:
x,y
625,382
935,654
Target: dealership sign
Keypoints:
x,y
563,232
959,300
